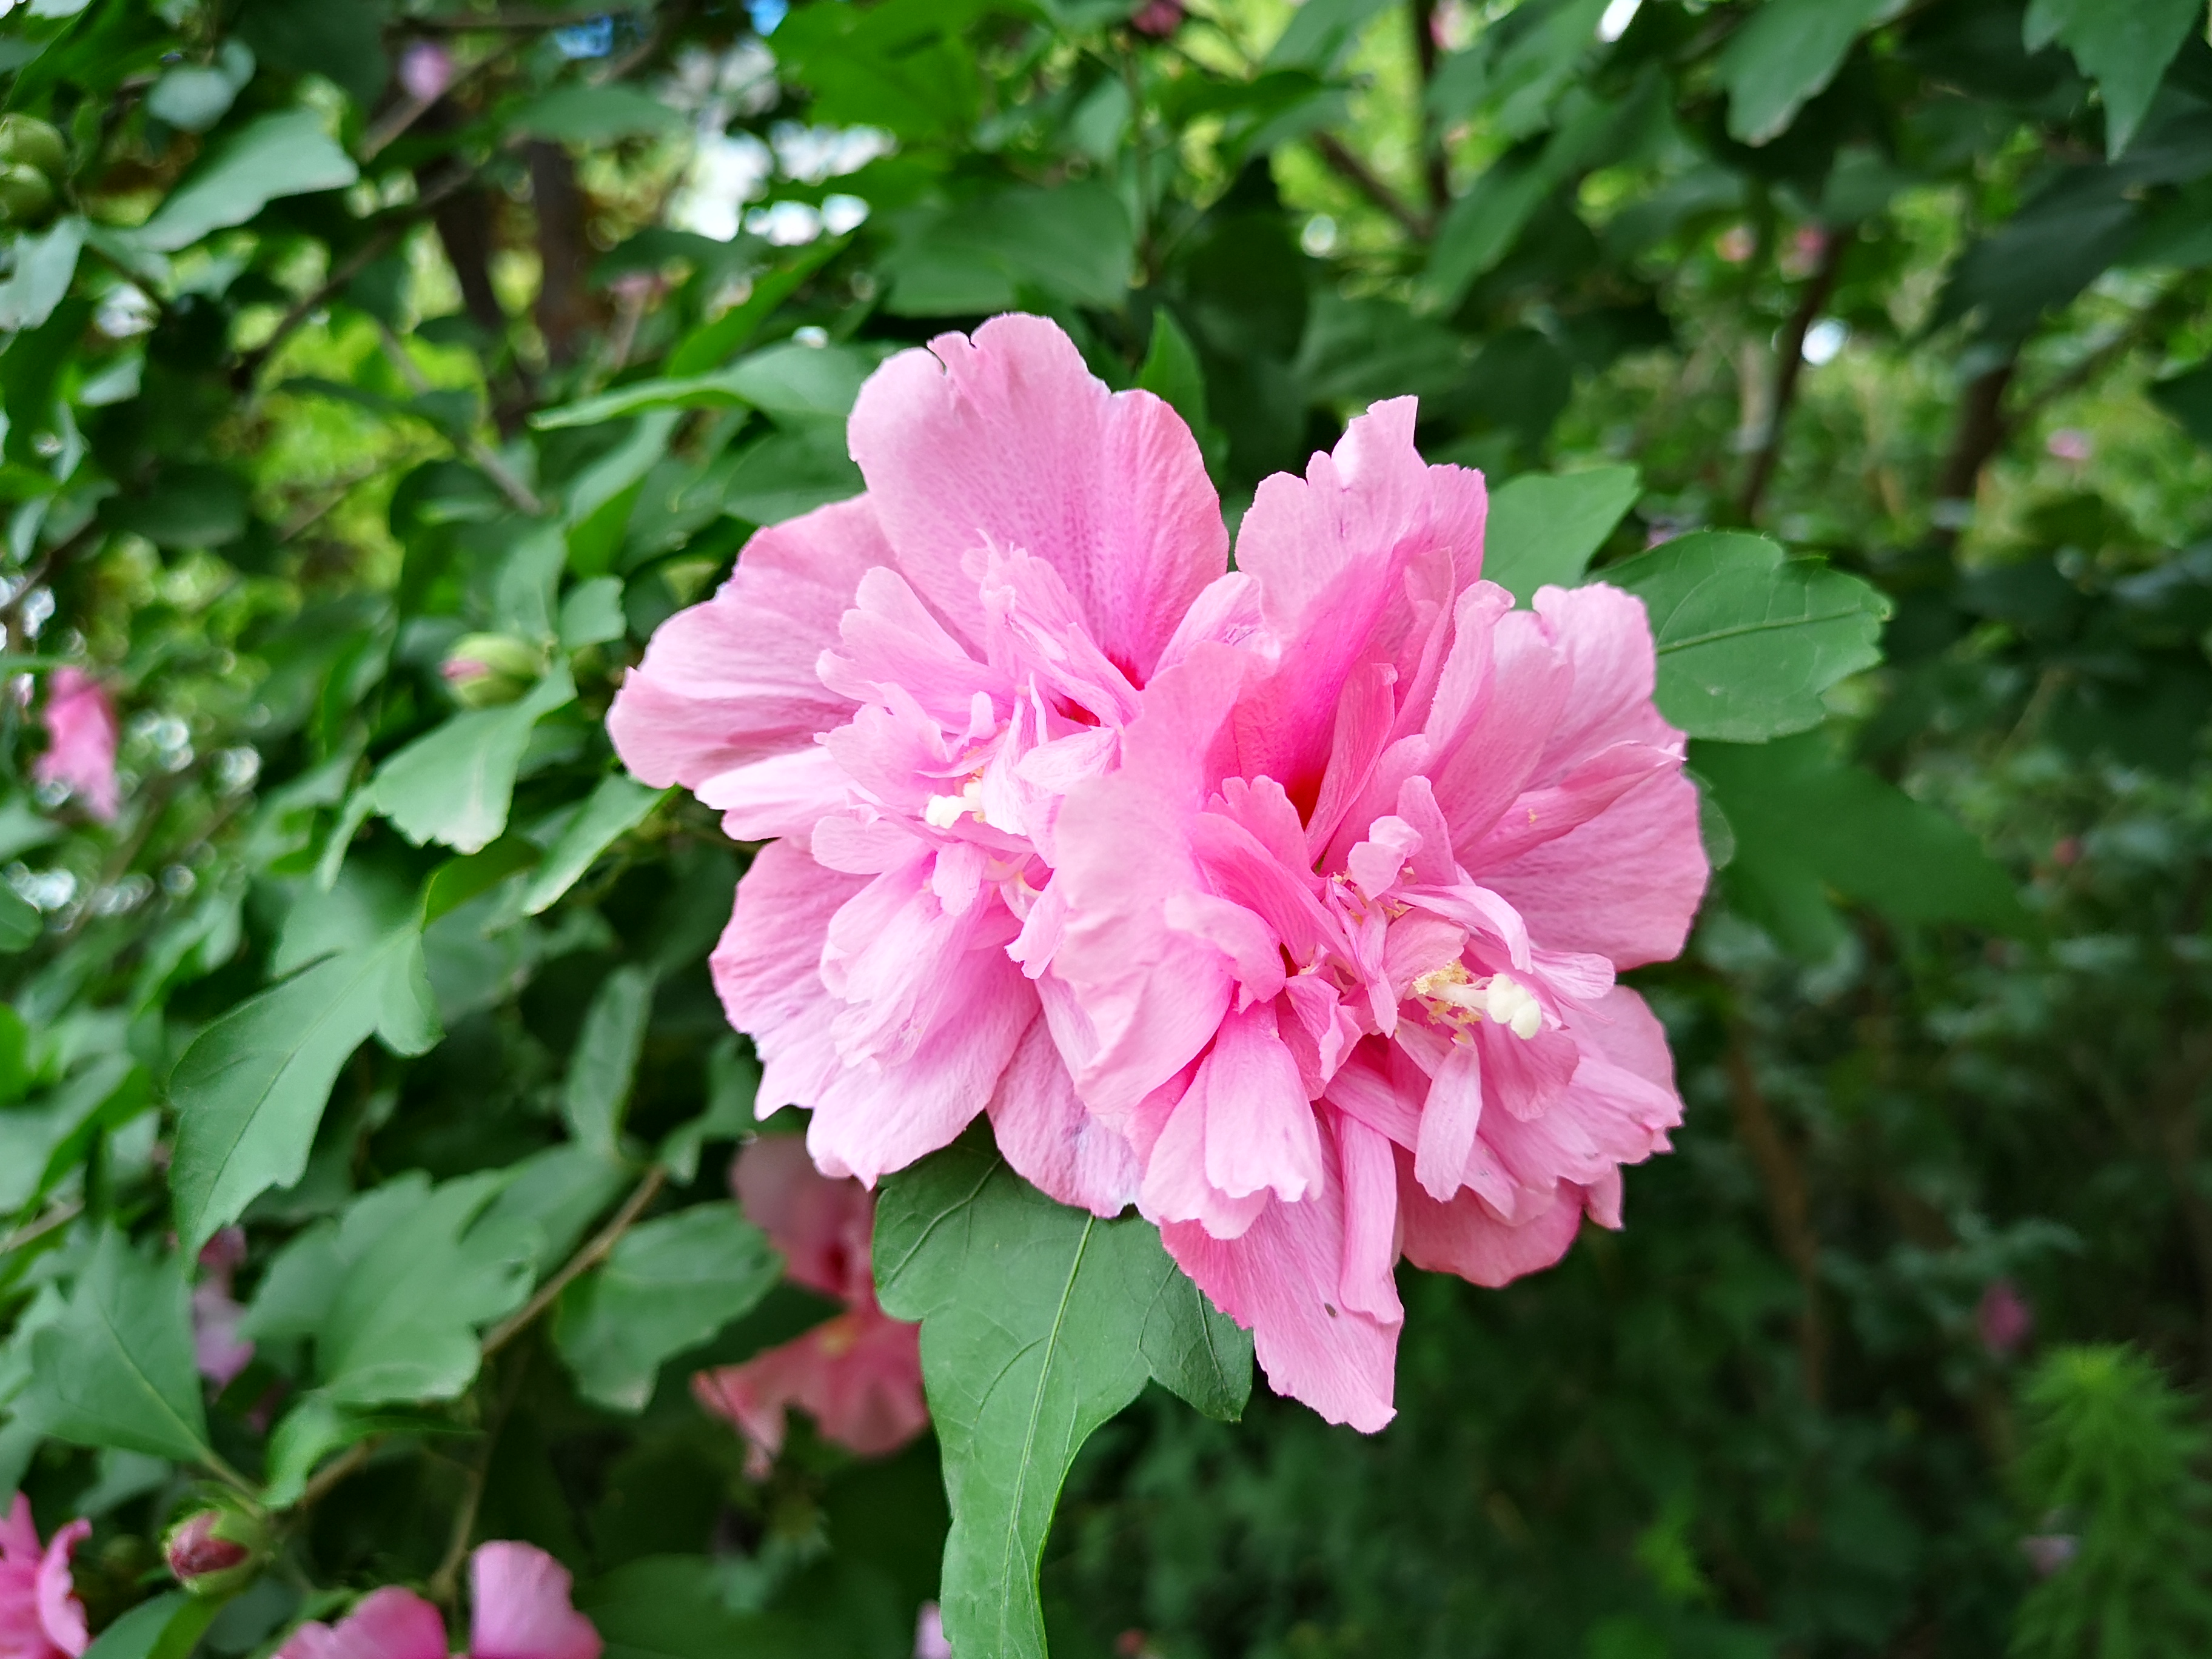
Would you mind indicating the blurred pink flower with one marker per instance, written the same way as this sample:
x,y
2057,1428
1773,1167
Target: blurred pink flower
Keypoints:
x,y
858,1375
41,1617
929,1641
81,740
1342,929
1157,18
426,69
521,1610
903,687
2004,1318
2069,444
218,1350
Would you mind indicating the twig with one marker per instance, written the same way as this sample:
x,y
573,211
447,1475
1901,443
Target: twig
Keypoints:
x,y
517,492
578,1264
1791,347
60,1216
1424,15
1787,1207
447,1576
1368,183
336,1472
1981,434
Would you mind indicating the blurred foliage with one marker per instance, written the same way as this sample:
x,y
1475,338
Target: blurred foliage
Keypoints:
x,y
378,376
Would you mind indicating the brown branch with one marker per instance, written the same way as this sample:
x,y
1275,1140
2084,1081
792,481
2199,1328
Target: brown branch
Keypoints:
x,y
1368,183
564,309
578,1264
1788,1207
1422,15
1819,290
1980,434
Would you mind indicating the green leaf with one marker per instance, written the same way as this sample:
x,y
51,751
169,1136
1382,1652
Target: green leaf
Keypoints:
x,y
618,805
1544,528
1788,54
44,262
686,1607
194,96
1321,33
286,154
1071,245
668,1285
592,613
303,1437
112,1092
597,1089
251,1090
733,1075
457,881
167,1627
116,1369
559,1191
455,784
594,115
1038,1324
1805,821
2123,45
1747,638
788,473
1171,373
21,923
2187,398
1481,228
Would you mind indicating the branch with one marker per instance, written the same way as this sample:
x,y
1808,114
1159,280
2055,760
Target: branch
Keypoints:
x,y
578,1264
517,492
1364,180
1788,1207
1791,347
1423,14
1981,434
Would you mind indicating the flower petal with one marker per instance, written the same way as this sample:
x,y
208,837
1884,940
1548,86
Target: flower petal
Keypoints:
x,y
386,1624
521,1606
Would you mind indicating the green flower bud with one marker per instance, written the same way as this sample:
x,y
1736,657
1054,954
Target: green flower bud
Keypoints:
x,y
483,670
26,194
31,143
217,1551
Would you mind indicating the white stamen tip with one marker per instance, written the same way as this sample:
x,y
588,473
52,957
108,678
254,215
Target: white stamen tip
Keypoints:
x,y
943,811
1514,1006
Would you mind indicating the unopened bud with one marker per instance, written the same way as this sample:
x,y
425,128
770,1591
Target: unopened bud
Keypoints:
x,y
33,144
216,1551
26,194
484,670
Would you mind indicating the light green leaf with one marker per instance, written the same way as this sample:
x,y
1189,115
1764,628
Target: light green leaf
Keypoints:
x,y
20,924
1038,1324
167,1627
2123,45
669,1285
458,880
1072,244
1543,528
618,805
286,154
1788,54
195,96
684,1606
733,1075
786,380
455,784
251,1090
1805,821
116,1369
597,1090
560,1191
1321,33
594,115
788,473
417,1282
592,613
44,262
1747,638
303,1437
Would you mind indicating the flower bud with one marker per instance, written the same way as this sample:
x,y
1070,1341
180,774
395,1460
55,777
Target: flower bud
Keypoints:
x,y
1159,18
483,670
426,69
31,143
216,1551
26,194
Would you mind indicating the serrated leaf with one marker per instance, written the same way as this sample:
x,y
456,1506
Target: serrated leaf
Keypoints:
x,y
668,1285
618,805
167,1627
251,1090
115,1369
286,154
1806,821
1747,638
597,1089
674,1607
455,784
1788,54
2123,45
44,262
1038,1324
1543,528
733,1075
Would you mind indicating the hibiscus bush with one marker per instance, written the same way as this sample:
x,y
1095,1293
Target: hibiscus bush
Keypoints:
x,y
959,827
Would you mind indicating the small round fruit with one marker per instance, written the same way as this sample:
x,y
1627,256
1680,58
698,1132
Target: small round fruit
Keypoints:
x,y
26,194
34,142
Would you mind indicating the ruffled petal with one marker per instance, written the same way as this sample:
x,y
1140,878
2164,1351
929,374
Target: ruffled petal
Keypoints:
x,y
521,1606
1052,1141
386,1624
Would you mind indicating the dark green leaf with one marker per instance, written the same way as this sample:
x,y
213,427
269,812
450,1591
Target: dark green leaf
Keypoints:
x,y
2123,45
668,1285
285,154
116,1369
167,1627
1787,52
44,262
597,1090
1747,638
1039,1323
20,924
685,1607
618,805
455,784
594,115
1543,528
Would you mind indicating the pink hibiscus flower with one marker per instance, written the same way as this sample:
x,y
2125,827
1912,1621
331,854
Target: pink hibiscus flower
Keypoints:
x,y
903,688
858,1375
1343,927
521,1610
81,739
41,1617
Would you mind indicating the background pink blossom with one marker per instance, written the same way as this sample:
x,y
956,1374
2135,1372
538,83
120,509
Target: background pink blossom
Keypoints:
x,y
41,1617
81,741
519,1609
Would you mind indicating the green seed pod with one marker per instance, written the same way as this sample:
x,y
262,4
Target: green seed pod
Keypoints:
x,y
27,195
33,144
483,670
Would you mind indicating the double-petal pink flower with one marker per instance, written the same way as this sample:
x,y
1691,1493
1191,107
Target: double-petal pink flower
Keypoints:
x,y
520,1610
1286,903
41,1617
858,1374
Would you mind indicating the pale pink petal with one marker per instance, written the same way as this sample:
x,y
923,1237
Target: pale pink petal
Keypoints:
x,y
521,1609
1008,441
858,1376
1469,1238
767,970
1606,637
1450,1119
386,1624
1371,1221
1259,1130
22,1635
61,1615
82,735
218,1351
1281,1280
734,680
1053,1142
